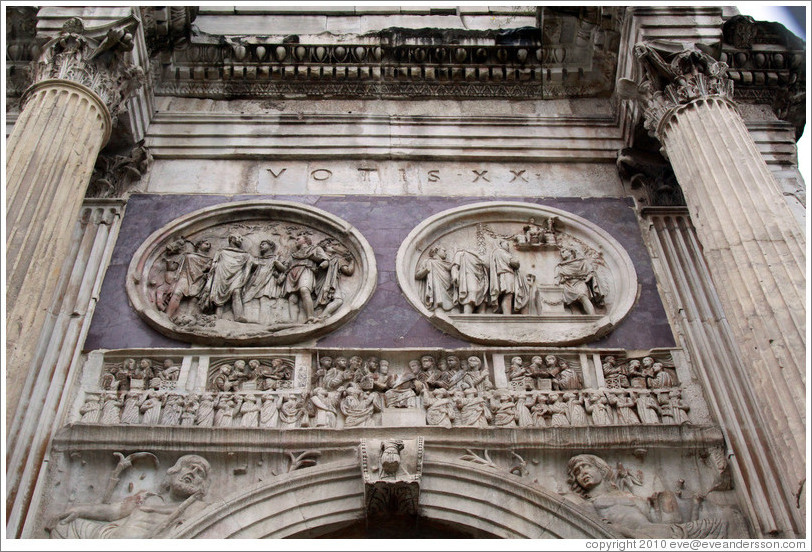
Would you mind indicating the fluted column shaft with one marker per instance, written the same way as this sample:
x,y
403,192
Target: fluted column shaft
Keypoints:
x,y
51,153
756,257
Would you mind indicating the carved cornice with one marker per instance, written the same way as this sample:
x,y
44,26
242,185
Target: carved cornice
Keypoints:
x,y
571,55
167,27
767,63
96,59
116,175
673,77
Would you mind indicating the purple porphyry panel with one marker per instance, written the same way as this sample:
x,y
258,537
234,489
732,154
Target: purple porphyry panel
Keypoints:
x,y
388,320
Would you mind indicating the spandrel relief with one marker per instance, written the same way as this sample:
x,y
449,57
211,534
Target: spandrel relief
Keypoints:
x,y
252,273
147,513
514,273
615,494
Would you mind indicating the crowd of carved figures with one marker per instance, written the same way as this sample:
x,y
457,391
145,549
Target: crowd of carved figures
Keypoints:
x,y
646,373
477,280
294,278
445,390
146,373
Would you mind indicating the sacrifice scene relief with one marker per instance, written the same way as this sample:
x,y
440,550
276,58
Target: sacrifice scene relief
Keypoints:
x,y
513,269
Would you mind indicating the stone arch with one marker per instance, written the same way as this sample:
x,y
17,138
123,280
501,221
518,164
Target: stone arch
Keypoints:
x,y
451,492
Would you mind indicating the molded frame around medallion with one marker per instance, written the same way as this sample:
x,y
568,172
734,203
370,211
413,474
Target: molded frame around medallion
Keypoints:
x,y
544,329
248,211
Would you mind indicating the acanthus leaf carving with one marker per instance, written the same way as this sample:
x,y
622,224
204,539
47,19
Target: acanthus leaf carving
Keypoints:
x,y
116,175
673,76
94,58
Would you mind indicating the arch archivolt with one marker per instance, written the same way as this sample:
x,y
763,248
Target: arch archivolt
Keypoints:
x,y
450,491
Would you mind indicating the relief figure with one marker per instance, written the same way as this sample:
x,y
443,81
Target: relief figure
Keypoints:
x,y
300,284
143,515
469,274
191,276
436,286
658,516
508,287
577,278
265,282
229,272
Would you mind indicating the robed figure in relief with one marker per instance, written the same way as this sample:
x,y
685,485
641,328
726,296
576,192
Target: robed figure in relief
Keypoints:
x,y
436,289
229,273
508,287
470,277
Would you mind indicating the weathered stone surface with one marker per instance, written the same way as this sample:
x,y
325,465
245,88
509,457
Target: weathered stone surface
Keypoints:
x,y
513,273
252,273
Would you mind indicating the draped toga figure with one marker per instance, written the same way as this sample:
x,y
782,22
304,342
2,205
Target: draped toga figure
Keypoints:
x,y
328,291
306,260
436,288
508,287
191,276
229,273
264,283
469,275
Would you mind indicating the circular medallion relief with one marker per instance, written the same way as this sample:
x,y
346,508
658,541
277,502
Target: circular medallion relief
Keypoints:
x,y
516,273
252,273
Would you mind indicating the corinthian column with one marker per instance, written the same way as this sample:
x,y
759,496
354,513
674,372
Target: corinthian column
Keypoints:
x,y
80,81
754,250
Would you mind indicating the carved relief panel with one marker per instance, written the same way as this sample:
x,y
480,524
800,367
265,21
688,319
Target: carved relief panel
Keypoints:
x,y
516,273
342,389
252,273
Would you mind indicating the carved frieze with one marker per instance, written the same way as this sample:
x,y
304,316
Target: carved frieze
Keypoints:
x,y
506,273
337,390
254,272
575,54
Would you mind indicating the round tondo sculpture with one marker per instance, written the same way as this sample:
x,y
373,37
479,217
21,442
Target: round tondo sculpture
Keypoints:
x,y
252,273
508,273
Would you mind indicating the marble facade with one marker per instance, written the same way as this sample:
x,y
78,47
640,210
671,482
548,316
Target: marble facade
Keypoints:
x,y
490,272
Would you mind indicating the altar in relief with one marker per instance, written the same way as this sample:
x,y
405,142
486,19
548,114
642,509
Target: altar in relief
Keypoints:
x,y
516,273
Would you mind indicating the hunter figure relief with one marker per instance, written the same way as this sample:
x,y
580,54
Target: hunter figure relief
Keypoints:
x,y
540,273
252,273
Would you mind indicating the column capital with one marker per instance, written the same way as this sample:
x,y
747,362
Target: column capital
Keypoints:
x,y
96,59
673,76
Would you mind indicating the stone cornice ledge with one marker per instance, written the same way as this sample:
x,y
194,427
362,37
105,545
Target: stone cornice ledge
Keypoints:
x,y
85,437
279,136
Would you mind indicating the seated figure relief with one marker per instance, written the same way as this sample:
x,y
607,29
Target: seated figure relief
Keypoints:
x,y
511,273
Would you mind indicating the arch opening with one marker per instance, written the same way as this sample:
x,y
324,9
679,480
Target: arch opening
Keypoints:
x,y
399,527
